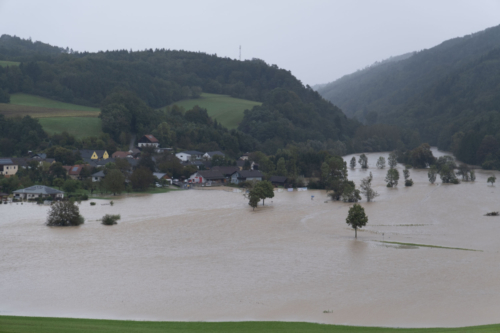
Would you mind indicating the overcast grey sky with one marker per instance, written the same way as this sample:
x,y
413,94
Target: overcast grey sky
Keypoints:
x,y
318,41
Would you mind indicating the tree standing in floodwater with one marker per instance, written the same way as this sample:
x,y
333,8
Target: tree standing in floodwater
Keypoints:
x,y
363,161
366,188
393,160
381,162
356,218
432,174
392,177
492,180
353,162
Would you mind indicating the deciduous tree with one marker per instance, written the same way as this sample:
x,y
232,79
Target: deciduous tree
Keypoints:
x,y
356,218
366,188
363,161
392,177
381,162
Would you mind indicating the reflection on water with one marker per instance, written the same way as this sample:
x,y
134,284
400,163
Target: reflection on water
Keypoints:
x,y
205,255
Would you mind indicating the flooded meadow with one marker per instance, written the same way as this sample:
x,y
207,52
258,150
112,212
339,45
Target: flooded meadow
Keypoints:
x,y
206,256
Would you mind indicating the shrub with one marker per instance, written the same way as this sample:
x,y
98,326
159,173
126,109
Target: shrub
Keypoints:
x,y
110,219
64,214
92,203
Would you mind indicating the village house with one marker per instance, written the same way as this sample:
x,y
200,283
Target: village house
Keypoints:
x,y
7,167
38,191
98,176
246,175
148,140
23,162
207,176
90,155
189,155
74,171
226,171
244,157
122,154
160,176
210,154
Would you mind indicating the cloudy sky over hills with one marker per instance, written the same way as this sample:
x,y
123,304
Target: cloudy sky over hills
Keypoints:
x,y
318,41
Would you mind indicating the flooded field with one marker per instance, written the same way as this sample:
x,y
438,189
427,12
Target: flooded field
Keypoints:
x,y
205,255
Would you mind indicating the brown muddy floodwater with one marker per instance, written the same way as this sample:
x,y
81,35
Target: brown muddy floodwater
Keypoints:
x,y
206,256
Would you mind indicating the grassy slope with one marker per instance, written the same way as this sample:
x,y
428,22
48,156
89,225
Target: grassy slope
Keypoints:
x,y
42,102
80,127
227,110
56,325
54,116
5,63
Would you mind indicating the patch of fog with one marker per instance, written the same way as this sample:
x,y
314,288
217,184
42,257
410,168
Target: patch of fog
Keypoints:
x,y
205,255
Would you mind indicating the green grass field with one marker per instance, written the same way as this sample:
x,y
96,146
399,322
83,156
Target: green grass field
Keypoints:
x,y
80,127
227,110
54,116
5,63
42,102
59,325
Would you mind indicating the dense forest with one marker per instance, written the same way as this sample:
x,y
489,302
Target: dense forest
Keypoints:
x,y
133,88
449,93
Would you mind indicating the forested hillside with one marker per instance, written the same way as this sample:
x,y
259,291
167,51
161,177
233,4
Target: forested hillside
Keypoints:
x,y
130,87
449,93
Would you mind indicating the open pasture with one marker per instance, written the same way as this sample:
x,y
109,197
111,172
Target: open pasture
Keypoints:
x,y
5,63
80,127
227,110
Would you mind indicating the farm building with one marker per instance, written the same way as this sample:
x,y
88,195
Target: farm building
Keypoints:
x,y
246,175
38,191
7,167
148,140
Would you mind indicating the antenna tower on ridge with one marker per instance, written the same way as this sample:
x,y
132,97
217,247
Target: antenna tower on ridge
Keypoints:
x,y
240,52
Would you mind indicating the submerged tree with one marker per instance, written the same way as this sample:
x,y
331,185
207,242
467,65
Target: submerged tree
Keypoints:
x,y
363,161
392,177
356,218
432,174
381,162
64,214
447,174
393,160
464,171
366,188
492,180
353,162
406,174
349,192
110,219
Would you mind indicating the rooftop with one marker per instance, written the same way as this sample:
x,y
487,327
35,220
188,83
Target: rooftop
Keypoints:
x,y
38,189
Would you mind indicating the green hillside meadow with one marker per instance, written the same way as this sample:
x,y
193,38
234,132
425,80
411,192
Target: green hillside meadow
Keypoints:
x,y
59,325
54,116
4,63
42,102
227,110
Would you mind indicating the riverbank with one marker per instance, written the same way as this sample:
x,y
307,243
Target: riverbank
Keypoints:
x,y
55,325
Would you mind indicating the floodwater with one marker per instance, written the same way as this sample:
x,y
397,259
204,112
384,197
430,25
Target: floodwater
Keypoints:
x,y
206,256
